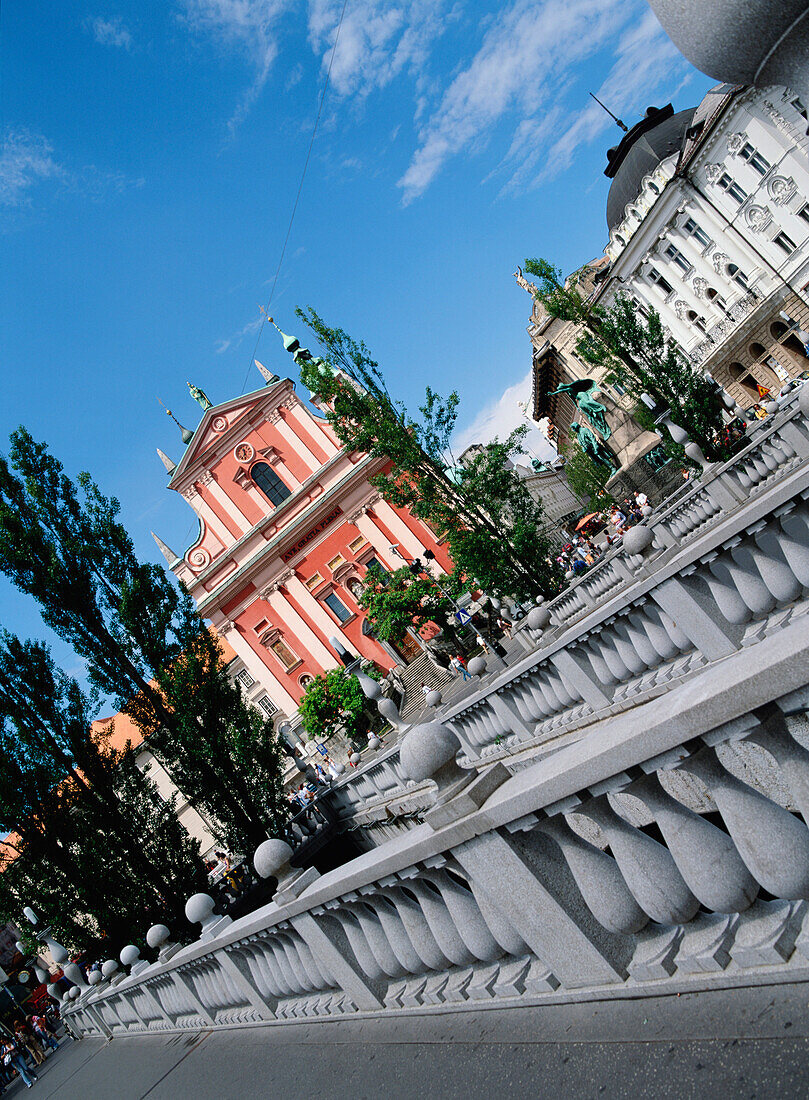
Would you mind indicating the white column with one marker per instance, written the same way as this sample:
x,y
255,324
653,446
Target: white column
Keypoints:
x,y
316,611
313,426
258,670
366,526
399,529
295,442
208,516
243,524
299,630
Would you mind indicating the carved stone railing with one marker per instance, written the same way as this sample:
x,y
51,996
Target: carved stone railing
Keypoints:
x,y
726,563
664,851
633,817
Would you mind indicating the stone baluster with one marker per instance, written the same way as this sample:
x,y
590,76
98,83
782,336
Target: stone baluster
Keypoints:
x,y
705,855
764,554
611,656
647,867
597,876
629,651
395,933
465,917
794,543
726,596
632,628
593,652
773,843
791,757
748,583
368,941
418,930
660,639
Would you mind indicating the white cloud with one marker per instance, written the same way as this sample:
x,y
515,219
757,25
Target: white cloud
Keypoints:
x,y
248,26
501,417
26,159
522,63
378,39
237,337
110,32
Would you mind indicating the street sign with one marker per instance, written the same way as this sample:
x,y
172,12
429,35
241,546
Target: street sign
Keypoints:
x,y
463,617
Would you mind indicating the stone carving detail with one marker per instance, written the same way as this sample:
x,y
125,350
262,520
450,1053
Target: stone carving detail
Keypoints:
x,y
781,189
700,285
757,217
244,452
713,172
735,142
720,261
681,308
206,478
778,118
219,424
199,558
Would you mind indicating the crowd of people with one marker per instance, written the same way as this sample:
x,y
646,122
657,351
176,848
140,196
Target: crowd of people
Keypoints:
x,y
605,529
22,1052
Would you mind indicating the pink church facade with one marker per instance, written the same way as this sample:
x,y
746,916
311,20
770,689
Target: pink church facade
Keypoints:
x,y
288,526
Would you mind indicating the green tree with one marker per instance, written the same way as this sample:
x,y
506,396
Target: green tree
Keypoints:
x,y
144,644
480,511
395,602
90,831
637,353
332,701
586,478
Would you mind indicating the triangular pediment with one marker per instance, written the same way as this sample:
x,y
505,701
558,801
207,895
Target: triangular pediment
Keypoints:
x,y
222,422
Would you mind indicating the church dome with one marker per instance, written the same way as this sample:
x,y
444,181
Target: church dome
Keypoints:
x,y
657,136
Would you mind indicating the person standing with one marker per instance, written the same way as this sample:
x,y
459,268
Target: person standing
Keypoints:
x,y
40,1029
12,1056
26,1038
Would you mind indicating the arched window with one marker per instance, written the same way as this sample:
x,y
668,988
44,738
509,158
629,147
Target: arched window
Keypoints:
x,y
270,483
756,350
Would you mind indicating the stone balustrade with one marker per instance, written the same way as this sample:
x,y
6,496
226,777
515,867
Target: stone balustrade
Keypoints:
x,y
622,812
726,562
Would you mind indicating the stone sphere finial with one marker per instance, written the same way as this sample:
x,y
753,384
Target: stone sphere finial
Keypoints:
x,y
272,858
426,749
637,539
374,742
477,666
74,993
130,955
157,935
538,618
109,967
94,977
433,698
199,907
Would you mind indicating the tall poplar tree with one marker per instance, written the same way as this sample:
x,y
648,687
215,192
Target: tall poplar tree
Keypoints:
x,y
144,644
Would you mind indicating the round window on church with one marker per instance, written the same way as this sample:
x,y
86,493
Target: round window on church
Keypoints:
x,y
244,452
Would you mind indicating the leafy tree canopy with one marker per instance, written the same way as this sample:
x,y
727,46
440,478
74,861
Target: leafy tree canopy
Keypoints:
x,y
332,701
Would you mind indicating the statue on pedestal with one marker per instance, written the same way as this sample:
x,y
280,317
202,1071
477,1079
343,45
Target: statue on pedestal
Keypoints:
x,y
583,392
592,446
200,396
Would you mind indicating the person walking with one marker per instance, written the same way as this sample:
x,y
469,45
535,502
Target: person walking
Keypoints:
x,y
40,1029
457,663
13,1056
27,1039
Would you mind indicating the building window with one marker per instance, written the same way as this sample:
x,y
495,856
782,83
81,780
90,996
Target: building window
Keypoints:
x,y
799,107
377,563
314,581
660,282
334,602
737,276
804,212
730,186
267,705
270,483
696,320
244,679
357,543
335,562
785,242
676,256
285,655
754,159
693,230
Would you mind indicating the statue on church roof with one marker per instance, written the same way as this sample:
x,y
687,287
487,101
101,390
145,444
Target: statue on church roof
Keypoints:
x,y
583,392
592,446
200,397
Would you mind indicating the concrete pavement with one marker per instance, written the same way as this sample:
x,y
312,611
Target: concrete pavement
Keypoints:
x,y
751,1043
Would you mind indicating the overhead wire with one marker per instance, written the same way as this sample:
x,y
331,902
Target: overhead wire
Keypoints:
x,y
265,312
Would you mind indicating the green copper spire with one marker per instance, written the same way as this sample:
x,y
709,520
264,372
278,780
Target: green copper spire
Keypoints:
x,y
291,343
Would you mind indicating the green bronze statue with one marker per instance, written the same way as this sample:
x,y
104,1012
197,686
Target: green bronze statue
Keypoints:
x,y
583,393
592,446
200,397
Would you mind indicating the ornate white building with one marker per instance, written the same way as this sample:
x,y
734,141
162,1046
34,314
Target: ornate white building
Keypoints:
x,y
708,215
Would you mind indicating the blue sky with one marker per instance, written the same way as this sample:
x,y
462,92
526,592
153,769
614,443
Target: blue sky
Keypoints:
x,y
151,156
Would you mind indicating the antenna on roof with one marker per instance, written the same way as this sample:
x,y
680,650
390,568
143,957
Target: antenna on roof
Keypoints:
x,y
614,118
